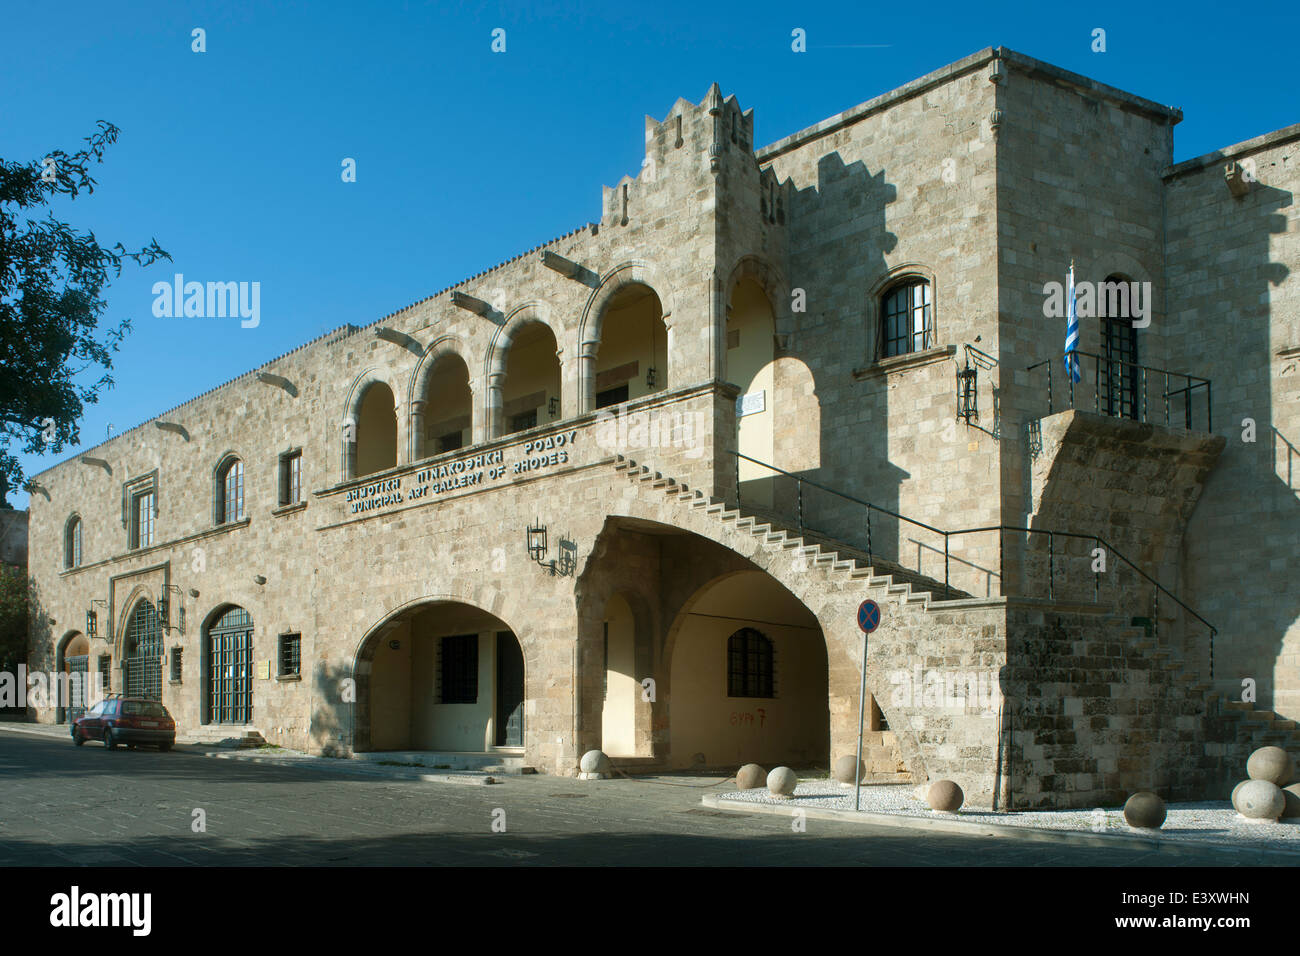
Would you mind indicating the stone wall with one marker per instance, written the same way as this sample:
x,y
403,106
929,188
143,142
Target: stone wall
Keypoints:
x,y
1234,307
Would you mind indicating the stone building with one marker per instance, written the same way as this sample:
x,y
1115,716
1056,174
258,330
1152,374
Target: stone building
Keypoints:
x,y
628,489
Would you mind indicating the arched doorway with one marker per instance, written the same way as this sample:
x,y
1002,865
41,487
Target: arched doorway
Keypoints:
x,y
142,651
74,690
633,356
228,668
376,430
530,394
1119,372
448,407
749,363
749,677
440,676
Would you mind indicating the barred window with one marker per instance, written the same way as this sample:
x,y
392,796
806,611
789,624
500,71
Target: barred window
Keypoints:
x,y
176,665
230,492
290,655
749,664
458,669
906,321
105,672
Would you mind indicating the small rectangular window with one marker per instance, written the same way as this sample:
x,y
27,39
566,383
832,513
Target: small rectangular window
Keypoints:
x,y
176,665
612,396
452,440
458,669
290,655
105,673
524,420
291,478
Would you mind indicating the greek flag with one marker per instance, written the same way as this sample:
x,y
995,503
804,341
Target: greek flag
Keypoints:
x,y
1071,330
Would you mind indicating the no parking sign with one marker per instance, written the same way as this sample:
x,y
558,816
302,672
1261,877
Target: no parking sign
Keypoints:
x,y
868,616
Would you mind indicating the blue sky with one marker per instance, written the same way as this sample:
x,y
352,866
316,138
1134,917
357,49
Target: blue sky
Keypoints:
x,y
231,158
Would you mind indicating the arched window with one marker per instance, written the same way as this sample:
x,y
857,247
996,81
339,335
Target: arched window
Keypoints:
x,y
906,318
72,543
230,491
749,664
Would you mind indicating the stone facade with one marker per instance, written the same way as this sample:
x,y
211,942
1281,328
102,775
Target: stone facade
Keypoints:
x,y
760,278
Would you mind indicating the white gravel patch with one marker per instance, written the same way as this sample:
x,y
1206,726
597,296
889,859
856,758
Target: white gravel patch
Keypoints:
x,y
1211,821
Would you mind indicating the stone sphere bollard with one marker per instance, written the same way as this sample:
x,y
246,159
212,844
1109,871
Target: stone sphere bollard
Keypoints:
x,y
1260,801
750,776
1291,798
1145,811
945,796
593,766
1272,764
844,769
781,782
1233,799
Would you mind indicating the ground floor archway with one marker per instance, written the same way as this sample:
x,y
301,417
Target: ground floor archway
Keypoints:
x,y
440,676
749,678
74,690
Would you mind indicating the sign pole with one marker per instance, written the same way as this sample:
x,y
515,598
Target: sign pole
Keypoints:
x,y
862,703
868,621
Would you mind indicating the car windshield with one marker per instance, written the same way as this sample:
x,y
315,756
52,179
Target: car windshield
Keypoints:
x,y
143,708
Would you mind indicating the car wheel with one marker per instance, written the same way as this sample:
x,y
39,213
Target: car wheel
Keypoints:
x,y
109,740
164,747
77,738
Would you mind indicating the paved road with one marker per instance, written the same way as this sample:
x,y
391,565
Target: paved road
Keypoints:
x,y
61,805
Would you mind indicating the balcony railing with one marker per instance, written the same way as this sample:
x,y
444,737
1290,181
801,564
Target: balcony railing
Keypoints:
x,y
1125,389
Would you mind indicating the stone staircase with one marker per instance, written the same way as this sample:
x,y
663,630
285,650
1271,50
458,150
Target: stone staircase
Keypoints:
x,y
816,549
1244,727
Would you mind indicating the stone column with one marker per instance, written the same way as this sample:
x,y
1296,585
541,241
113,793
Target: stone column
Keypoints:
x,y
415,442
586,397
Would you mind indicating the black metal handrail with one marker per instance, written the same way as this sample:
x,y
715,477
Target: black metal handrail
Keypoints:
x,y
1002,530
1131,377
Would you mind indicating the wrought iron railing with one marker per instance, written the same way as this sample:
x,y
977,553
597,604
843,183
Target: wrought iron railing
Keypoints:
x,y
1124,390
1050,535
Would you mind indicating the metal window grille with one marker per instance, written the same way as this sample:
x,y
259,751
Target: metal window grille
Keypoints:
x,y
523,420
1120,373
906,320
106,672
142,666
233,496
290,655
749,664
176,664
452,440
230,668
458,669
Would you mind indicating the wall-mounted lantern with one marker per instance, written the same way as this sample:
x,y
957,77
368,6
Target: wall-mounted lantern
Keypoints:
x,y
651,376
92,629
535,539
968,393
553,406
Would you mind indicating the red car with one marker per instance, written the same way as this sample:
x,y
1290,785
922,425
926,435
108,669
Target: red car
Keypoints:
x,y
126,720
